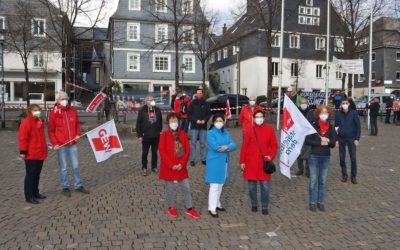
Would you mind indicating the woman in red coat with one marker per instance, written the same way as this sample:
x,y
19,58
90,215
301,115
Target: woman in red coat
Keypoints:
x,y
174,152
33,150
252,160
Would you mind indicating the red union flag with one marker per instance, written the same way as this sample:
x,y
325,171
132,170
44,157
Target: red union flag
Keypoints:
x,y
228,114
96,102
105,141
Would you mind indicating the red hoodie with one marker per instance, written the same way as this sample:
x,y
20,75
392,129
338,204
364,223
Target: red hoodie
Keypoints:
x,y
31,139
177,106
63,125
246,117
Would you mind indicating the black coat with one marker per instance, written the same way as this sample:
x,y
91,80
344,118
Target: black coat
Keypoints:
x,y
374,107
314,140
199,110
149,122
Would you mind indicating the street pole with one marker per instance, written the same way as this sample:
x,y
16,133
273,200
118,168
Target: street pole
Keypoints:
x,y
280,65
328,28
238,79
3,108
182,81
370,63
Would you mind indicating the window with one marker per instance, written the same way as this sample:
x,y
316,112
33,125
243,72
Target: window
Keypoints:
x,y
161,63
398,56
294,70
276,40
187,7
309,20
161,33
294,41
219,55
225,52
302,20
339,45
190,63
188,34
397,75
2,25
318,72
339,75
309,2
212,58
316,21
373,76
320,43
363,41
133,31
373,56
234,50
161,6
309,11
133,62
37,60
302,10
316,11
39,27
275,69
361,78
134,4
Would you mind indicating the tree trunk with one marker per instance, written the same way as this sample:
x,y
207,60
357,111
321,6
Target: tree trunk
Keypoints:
x,y
176,60
26,92
269,58
203,69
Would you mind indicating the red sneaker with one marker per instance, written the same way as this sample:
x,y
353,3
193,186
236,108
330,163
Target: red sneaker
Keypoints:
x,y
172,212
192,213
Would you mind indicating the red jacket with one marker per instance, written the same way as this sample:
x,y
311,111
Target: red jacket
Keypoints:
x,y
250,153
63,125
177,106
168,159
31,139
246,117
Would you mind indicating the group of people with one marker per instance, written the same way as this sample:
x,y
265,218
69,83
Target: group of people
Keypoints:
x,y
63,132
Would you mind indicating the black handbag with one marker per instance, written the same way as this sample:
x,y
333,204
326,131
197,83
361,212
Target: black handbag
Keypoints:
x,y
269,166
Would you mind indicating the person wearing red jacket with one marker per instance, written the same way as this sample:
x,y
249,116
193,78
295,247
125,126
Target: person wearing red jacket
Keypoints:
x,y
181,107
174,151
262,138
33,150
246,114
64,131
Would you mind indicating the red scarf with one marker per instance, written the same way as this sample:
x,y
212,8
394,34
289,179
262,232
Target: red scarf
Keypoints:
x,y
324,127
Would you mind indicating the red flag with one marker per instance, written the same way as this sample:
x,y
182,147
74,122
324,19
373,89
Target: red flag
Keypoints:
x,y
96,102
228,114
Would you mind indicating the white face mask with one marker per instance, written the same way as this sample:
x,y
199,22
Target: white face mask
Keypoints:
x,y
303,106
345,106
173,125
219,125
152,103
252,103
37,114
259,121
64,103
323,117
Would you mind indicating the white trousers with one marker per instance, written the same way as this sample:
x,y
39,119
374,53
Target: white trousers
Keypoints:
x,y
214,196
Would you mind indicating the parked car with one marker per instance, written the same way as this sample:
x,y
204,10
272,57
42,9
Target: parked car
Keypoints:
x,y
361,103
219,102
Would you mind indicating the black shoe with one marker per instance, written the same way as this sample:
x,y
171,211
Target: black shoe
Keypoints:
x,y
66,192
313,208
221,209
212,214
192,163
254,209
321,207
32,201
307,175
299,173
203,162
264,211
83,190
40,196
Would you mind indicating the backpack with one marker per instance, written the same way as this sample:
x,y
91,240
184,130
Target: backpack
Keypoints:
x,y
183,108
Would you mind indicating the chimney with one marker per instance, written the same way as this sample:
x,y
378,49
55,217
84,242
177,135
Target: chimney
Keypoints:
x,y
252,7
224,29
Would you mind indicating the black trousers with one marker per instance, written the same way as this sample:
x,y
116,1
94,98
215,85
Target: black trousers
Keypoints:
x,y
388,113
374,125
147,143
32,177
305,168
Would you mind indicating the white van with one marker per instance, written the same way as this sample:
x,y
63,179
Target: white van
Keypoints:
x,y
361,102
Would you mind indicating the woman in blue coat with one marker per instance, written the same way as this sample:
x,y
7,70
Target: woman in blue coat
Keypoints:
x,y
218,169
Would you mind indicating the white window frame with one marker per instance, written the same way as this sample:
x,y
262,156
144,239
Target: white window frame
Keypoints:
x,y
290,41
317,43
161,3
128,62
339,75
44,27
128,25
154,63
40,57
398,73
337,48
4,25
373,76
316,11
157,34
225,52
373,56
212,58
302,10
309,2
277,37
397,56
309,11
184,10
318,71
132,5
361,78
219,54
309,20
315,21
294,73
193,58
275,68
234,52
185,30
302,20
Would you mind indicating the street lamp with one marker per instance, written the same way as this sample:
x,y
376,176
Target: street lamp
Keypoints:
x,y
3,87
183,69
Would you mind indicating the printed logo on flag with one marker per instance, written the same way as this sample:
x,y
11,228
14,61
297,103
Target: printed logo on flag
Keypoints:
x,y
105,142
287,121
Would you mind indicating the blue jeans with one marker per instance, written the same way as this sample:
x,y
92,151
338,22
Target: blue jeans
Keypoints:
x,y
202,135
318,172
70,152
264,193
184,124
343,143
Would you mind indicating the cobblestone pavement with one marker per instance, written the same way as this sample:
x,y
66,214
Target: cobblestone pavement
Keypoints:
x,y
128,211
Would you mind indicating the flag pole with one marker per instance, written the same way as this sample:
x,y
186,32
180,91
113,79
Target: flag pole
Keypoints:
x,y
328,31
370,62
280,64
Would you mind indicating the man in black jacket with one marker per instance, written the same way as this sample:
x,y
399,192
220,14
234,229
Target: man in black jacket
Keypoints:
x,y
389,106
148,129
374,107
199,114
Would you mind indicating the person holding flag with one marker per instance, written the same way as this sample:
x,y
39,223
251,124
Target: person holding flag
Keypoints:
x,y
259,146
321,143
64,131
246,114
